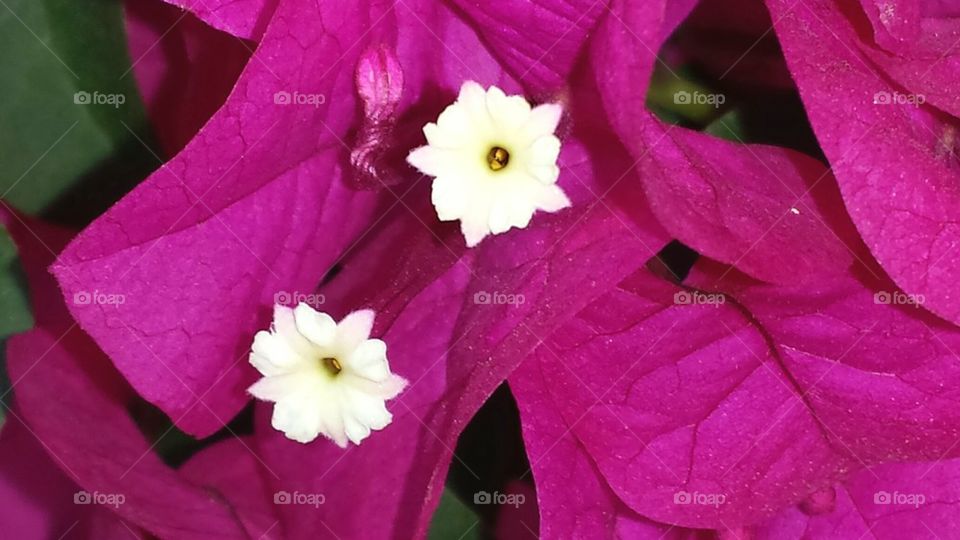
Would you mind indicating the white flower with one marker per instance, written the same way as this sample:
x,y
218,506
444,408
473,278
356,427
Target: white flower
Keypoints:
x,y
324,377
494,161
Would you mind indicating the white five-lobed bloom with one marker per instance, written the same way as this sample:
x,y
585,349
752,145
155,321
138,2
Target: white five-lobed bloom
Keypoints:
x,y
494,161
324,377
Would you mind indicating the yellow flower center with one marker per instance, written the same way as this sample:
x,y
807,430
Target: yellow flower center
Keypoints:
x,y
332,365
497,158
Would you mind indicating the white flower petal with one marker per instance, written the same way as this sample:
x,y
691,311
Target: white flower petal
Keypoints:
x,y
298,418
285,326
353,330
319,328
545,150
474,101
474,230
392,387
356,431
500,217
368,410
426,159
369,360
509,113
543,120
552,199
276,388
271,354
449,198
491,195
331,423
545,174
387,389
324,377
451,129
471,91
521,212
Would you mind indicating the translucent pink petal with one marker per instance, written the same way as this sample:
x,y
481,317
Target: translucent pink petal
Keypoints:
x,y
769,211
183,68
243,18
253,207
887,502
75,403
895,162
574,498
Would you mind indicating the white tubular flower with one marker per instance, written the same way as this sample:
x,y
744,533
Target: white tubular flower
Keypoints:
x,y
324,377
494,161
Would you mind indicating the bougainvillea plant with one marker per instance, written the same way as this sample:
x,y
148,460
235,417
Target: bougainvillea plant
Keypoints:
x,y
510,269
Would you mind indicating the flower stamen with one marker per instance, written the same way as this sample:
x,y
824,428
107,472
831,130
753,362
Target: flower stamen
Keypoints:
x,y
493,159
324,377
498,158
332,365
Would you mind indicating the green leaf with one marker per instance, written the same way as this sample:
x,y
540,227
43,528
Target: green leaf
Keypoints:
x,y
6,396
729,127
15,315
69,108
677,98
454,520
